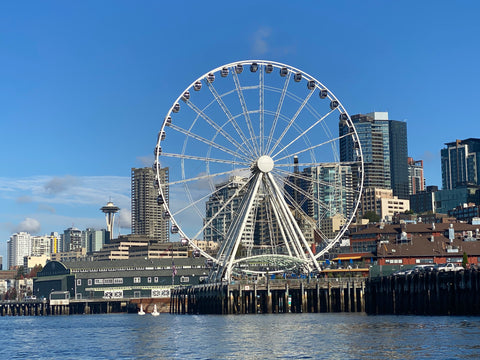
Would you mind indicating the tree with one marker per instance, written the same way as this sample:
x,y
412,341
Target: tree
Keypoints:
x,y
409,212
34,271
19,274
465,260
371,216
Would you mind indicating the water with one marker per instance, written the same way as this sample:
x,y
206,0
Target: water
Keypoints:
x,y
283,336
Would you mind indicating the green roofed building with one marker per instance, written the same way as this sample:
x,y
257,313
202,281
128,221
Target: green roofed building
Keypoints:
x,y
119,279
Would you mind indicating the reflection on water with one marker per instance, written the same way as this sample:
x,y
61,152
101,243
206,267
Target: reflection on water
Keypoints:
x,y
284,336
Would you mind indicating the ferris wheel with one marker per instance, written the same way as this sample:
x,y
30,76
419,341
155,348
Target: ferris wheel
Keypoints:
x,y
265,169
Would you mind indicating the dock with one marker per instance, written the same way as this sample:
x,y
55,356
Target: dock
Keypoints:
x,y
271,296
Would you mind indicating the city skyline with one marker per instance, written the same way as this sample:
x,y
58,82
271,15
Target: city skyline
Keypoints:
x,y
82,101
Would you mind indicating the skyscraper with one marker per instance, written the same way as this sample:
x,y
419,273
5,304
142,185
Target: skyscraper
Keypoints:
x,y
398,157
460,163
147,214
416,181
18,246
385,151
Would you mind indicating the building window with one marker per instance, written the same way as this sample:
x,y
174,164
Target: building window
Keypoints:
x,y
98,281
155,279
89,281
118,281
136,280
79,282
393,261
107,281
149,279
184,279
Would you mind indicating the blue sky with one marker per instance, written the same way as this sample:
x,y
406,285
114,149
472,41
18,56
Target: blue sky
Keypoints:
x,y
84,86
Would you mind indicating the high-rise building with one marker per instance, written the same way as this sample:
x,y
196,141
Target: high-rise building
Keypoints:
x,y
416,181
398,157
73,239
460,163
330,190
147,215
95,239
41,245
219,219
384,148
19,246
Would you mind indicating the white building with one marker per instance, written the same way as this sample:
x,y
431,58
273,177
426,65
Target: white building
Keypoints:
x,y
19,246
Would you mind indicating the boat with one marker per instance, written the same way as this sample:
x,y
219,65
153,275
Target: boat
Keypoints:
x,y
141,312
155,312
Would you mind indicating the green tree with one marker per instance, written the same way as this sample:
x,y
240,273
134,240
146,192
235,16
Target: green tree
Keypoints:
x,y
409,212
371,216
465,259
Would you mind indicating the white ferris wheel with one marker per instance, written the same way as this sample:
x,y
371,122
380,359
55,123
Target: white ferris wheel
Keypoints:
x,y
253,154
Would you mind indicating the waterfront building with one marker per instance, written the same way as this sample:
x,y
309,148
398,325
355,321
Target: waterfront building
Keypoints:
x,y
382,202
384,148
147,213
119,279
416,181
416,243
18,246
460,163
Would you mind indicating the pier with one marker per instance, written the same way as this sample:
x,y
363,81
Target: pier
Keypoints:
x,y
271,296
431,293
47,308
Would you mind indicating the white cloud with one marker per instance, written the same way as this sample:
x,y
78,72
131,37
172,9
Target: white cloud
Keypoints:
x,y
124,219
29,225
260,41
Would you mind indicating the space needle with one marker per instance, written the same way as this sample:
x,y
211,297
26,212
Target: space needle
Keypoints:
x,y
110,209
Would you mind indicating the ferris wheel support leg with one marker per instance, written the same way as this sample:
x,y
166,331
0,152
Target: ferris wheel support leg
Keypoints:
x,y
294,224
235,237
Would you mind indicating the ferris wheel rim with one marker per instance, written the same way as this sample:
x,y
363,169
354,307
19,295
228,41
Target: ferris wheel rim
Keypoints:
x,y
291,69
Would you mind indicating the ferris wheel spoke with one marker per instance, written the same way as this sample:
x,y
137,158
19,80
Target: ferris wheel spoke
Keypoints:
x,y
208,176
294,117
205,159
279,108
208,142
213,124
227,112
222,209
318,182
301,191
262,107
245,111
311,147
303,133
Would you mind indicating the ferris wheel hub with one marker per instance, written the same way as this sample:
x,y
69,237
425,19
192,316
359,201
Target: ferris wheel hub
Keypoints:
x,y
265,163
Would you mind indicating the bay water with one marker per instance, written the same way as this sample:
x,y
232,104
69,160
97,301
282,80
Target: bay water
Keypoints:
x,y
277,336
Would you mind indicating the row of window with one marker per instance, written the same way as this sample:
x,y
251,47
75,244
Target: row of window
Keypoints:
x,y
136,280
136,268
